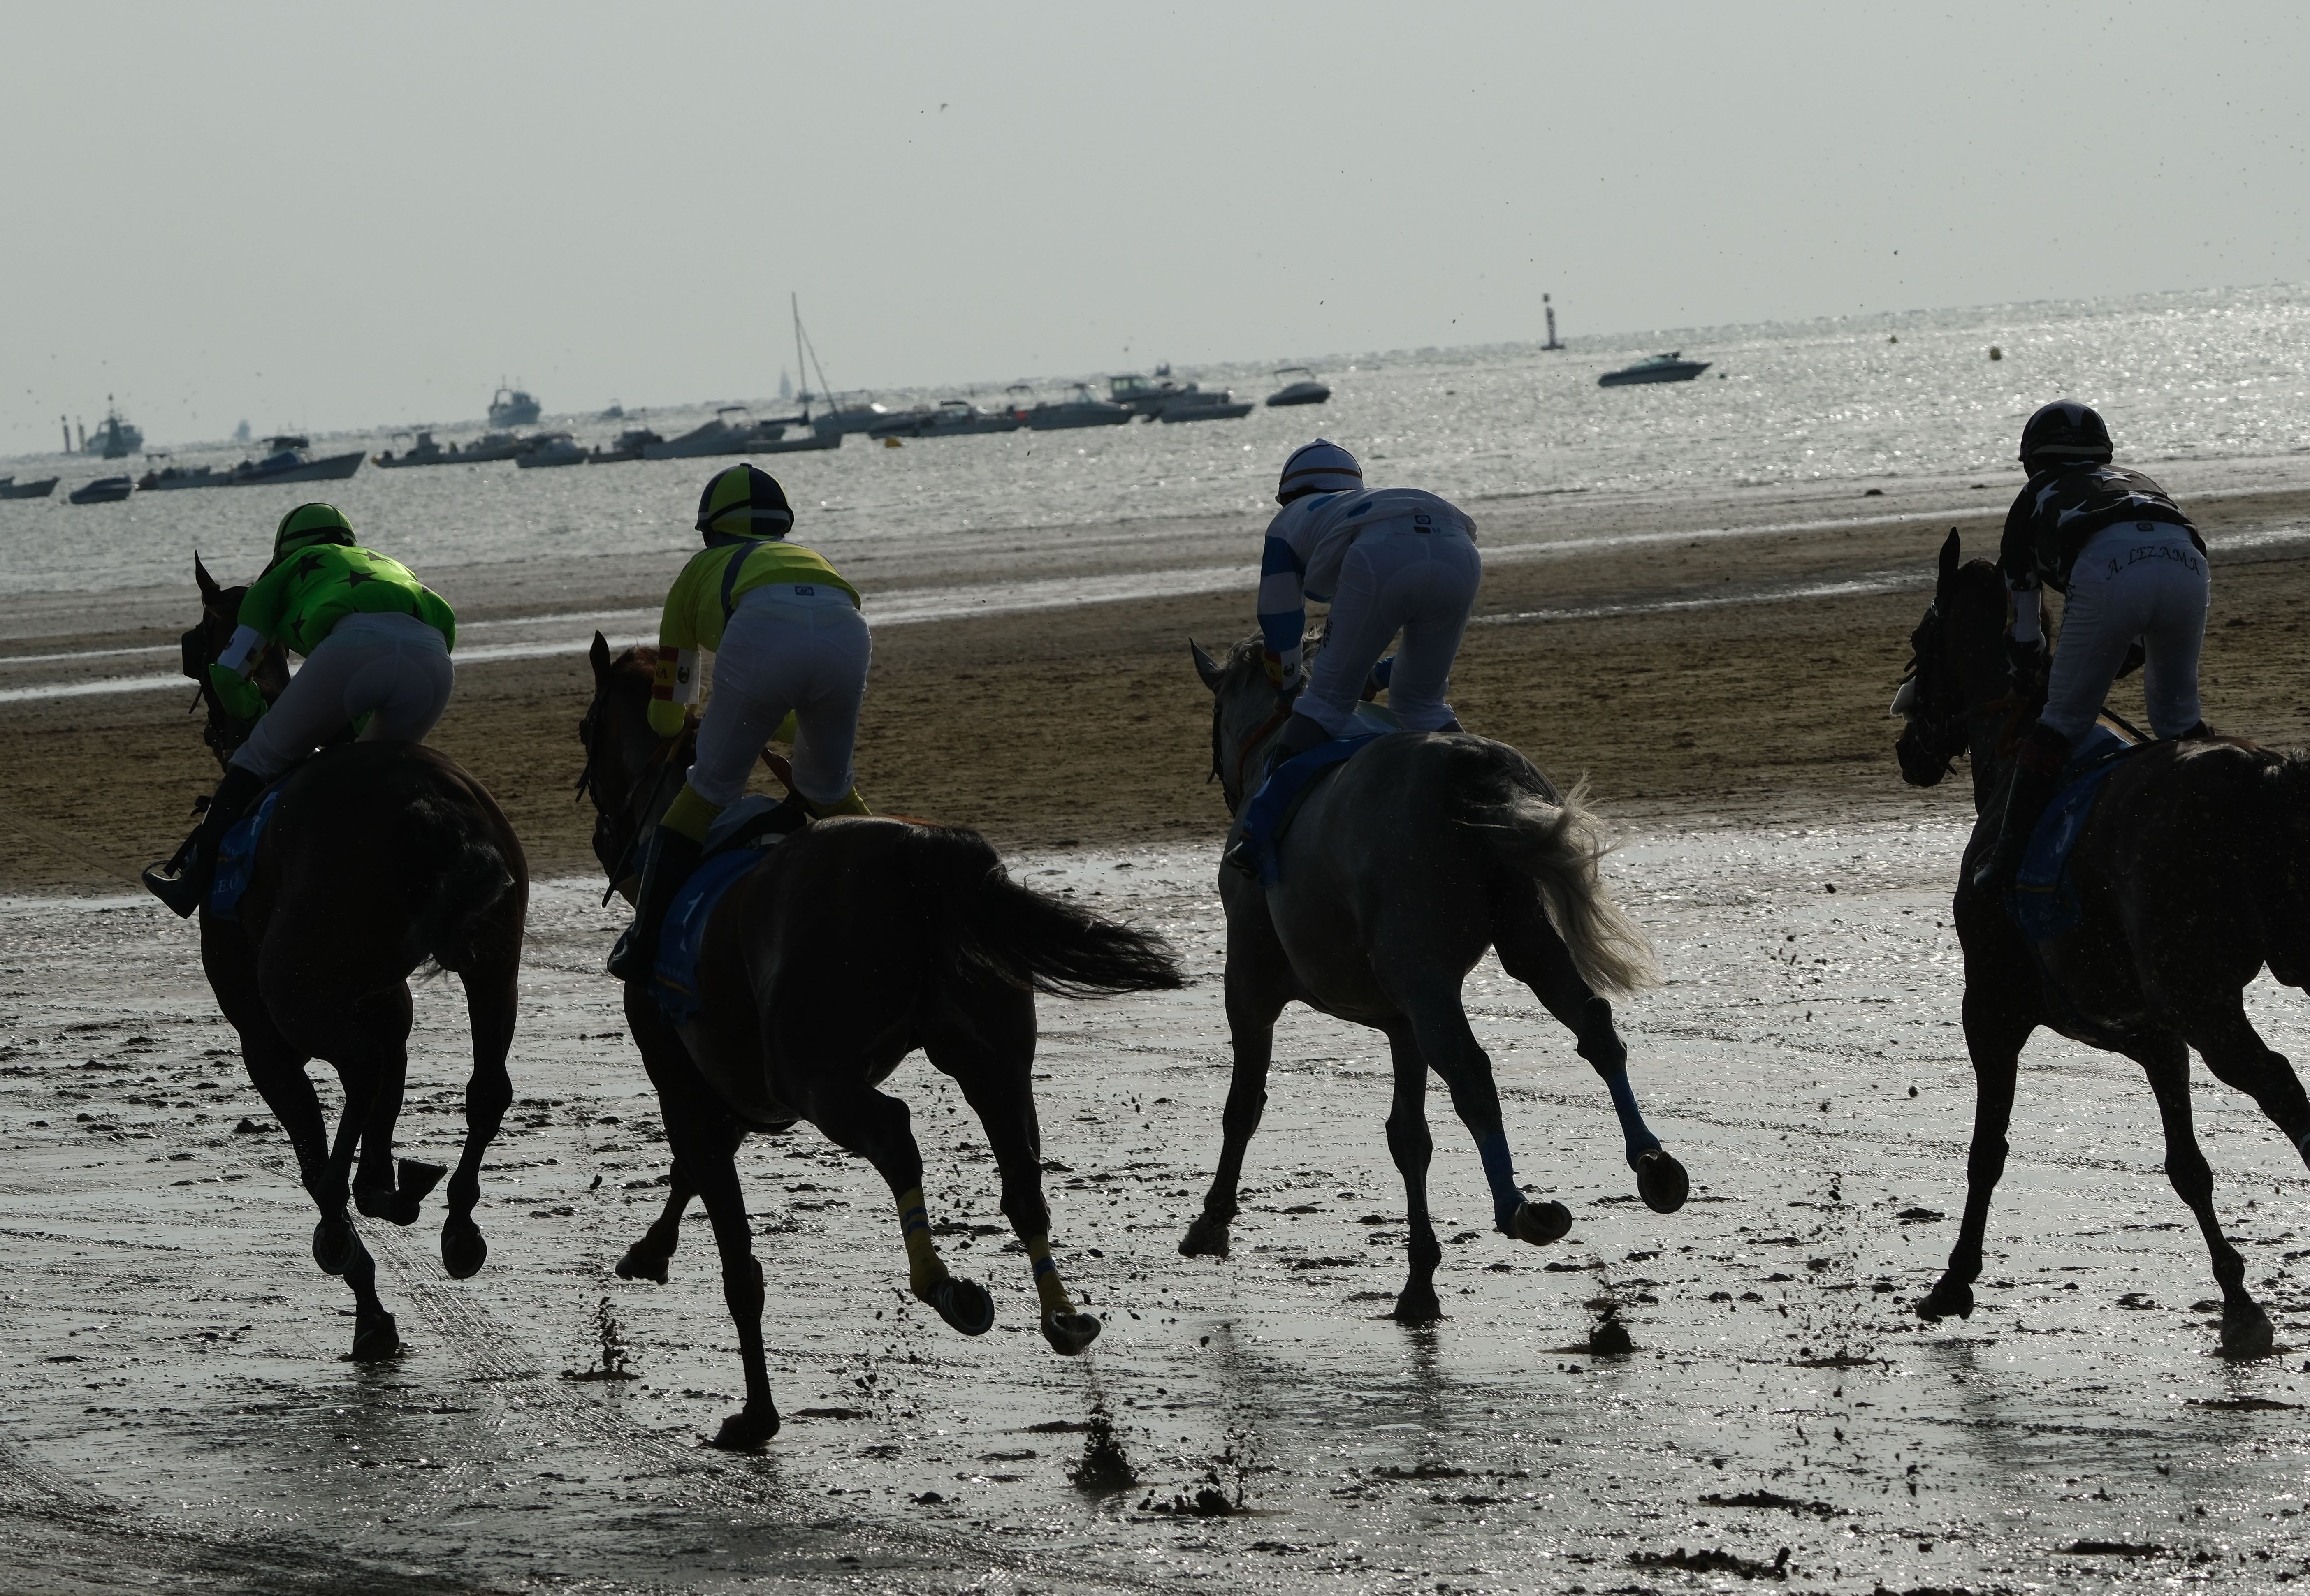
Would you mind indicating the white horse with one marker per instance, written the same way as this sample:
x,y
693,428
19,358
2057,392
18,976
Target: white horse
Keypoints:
x,y
1401,868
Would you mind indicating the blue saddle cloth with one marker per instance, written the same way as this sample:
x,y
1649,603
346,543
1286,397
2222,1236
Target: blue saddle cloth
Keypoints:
x,y
1270,806
235,856
2043,904
674,978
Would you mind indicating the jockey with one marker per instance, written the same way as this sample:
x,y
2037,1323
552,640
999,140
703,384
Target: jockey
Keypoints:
x,y
376,643
2132,569
1385,559
788,641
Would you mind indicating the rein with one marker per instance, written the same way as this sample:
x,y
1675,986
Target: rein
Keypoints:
x,y
1260,733
627,814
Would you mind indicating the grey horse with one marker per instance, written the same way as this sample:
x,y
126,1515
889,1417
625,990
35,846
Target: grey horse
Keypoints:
x,y
1401,868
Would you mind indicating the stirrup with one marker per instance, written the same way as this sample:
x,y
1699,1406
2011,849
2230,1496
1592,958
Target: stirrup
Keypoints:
x,y
182,892
1243,857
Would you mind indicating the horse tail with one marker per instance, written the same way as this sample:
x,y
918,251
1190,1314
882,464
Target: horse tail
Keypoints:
x,y
987,924
456,874
1557,843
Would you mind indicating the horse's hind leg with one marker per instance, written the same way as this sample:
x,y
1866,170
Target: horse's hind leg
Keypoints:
x,y
492,1001
1411,1147
646,1260
1994,1035
2239,1058
1258,986
1531,952
375,1193
997,1077
2246,1328
1439,1028
874,1125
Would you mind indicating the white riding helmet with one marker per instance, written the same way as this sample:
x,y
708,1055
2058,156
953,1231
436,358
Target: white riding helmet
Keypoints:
x,y
1319,467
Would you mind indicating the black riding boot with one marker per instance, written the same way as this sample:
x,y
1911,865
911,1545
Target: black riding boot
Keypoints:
x,y
184,890
1300,733
2037,772
666,865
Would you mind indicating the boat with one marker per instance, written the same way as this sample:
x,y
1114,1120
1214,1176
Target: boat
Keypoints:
x,y
551,449
513,408
115,440
9,488
172,477
489,446
629,446
1307,390
861,415
951,418
720,436
291,461
1205,404
1144,397
424,451
103,490
1668,368
1081,408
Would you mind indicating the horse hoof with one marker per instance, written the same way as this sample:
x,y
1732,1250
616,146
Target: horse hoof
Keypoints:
x,y
332,1245
1610,1338
2246,1333
1417,1304
1070,1333
375,1337
1540,1223
964,1305
1207,1237
463,1250
748,1431
1660,1181
1946,1298
638,1265
372,1202
417,1178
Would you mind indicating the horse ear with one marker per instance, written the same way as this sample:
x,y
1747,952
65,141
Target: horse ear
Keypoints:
x,y
209,588
1950,551
600,657
1205,667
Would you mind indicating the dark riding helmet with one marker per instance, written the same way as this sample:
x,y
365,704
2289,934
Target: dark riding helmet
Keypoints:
x,y
744,501
310,524
2063,431
1322,467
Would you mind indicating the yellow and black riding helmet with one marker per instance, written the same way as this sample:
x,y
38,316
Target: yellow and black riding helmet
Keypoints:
x,y
743,501
307,524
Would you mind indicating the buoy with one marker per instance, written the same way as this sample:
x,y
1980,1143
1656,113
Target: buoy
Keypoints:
x,y
1996,353
892,443
1895,338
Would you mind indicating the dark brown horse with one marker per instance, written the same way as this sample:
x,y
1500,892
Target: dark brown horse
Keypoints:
x,y
2189,873
852,944
377,857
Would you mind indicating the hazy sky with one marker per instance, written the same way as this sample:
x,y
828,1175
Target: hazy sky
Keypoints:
x,y
357,214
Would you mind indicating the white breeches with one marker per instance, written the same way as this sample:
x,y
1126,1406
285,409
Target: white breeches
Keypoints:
x,y
785,651
2136,579
1422,583
394,669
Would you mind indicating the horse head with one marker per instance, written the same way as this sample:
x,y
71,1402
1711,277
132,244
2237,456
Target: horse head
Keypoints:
x,y
630,772
1957,679
206,640
1246,712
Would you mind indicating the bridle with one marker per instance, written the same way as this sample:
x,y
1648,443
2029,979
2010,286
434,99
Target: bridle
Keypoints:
x,y
1945,736
1232,792
641,795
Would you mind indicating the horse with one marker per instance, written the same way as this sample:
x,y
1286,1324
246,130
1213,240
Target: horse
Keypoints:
x,y
1403,866
855,941
2188,874
377,858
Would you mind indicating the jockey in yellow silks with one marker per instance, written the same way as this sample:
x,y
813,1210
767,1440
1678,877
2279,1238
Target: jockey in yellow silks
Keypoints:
x,y
787,640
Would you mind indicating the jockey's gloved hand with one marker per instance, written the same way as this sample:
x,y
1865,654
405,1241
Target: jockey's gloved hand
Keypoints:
x,y
239,695
2024,660
667,718
1274,663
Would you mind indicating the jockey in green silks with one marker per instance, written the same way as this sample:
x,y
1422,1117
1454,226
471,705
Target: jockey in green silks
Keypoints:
x,y
790,651
376,643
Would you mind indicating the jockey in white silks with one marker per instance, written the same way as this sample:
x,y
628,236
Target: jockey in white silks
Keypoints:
x,y
1386,559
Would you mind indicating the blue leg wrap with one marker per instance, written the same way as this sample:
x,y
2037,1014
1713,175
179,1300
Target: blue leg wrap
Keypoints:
x,y
1632,1121
1499,1173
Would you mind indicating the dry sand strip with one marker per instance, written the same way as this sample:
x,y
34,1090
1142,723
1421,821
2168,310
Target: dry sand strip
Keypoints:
x,y
1741,677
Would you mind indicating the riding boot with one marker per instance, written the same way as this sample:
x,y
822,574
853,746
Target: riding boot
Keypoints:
x,y
184,890
2197,732
2037,773
666,865
1300,733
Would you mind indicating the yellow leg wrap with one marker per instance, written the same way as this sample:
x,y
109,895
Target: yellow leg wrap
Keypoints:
x,y
849,803
1047,1284
689,815
924,1268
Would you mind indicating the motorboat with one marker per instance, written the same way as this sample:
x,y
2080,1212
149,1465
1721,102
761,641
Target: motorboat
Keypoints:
x,y
489,446
291,461
1205,404
116,439
629,446
1080,408
1307,389
720,436
1144,396
9,488
103,490
171,477
953,418
553,448
511,407
850,418
424,451
1668,368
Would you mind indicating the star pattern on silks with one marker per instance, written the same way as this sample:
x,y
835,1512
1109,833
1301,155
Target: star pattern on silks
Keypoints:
x,y
311,562
354,578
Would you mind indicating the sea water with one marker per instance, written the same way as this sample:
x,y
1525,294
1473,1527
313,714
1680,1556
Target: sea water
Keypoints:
x,y
2197,386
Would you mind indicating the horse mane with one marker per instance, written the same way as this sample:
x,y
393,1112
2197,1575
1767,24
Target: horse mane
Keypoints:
x,y
1248,657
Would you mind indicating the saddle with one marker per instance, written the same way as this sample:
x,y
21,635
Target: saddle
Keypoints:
x,y
1268,817
740,838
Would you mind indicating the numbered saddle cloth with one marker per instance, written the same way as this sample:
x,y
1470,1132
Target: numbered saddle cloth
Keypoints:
x,y
2045,904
